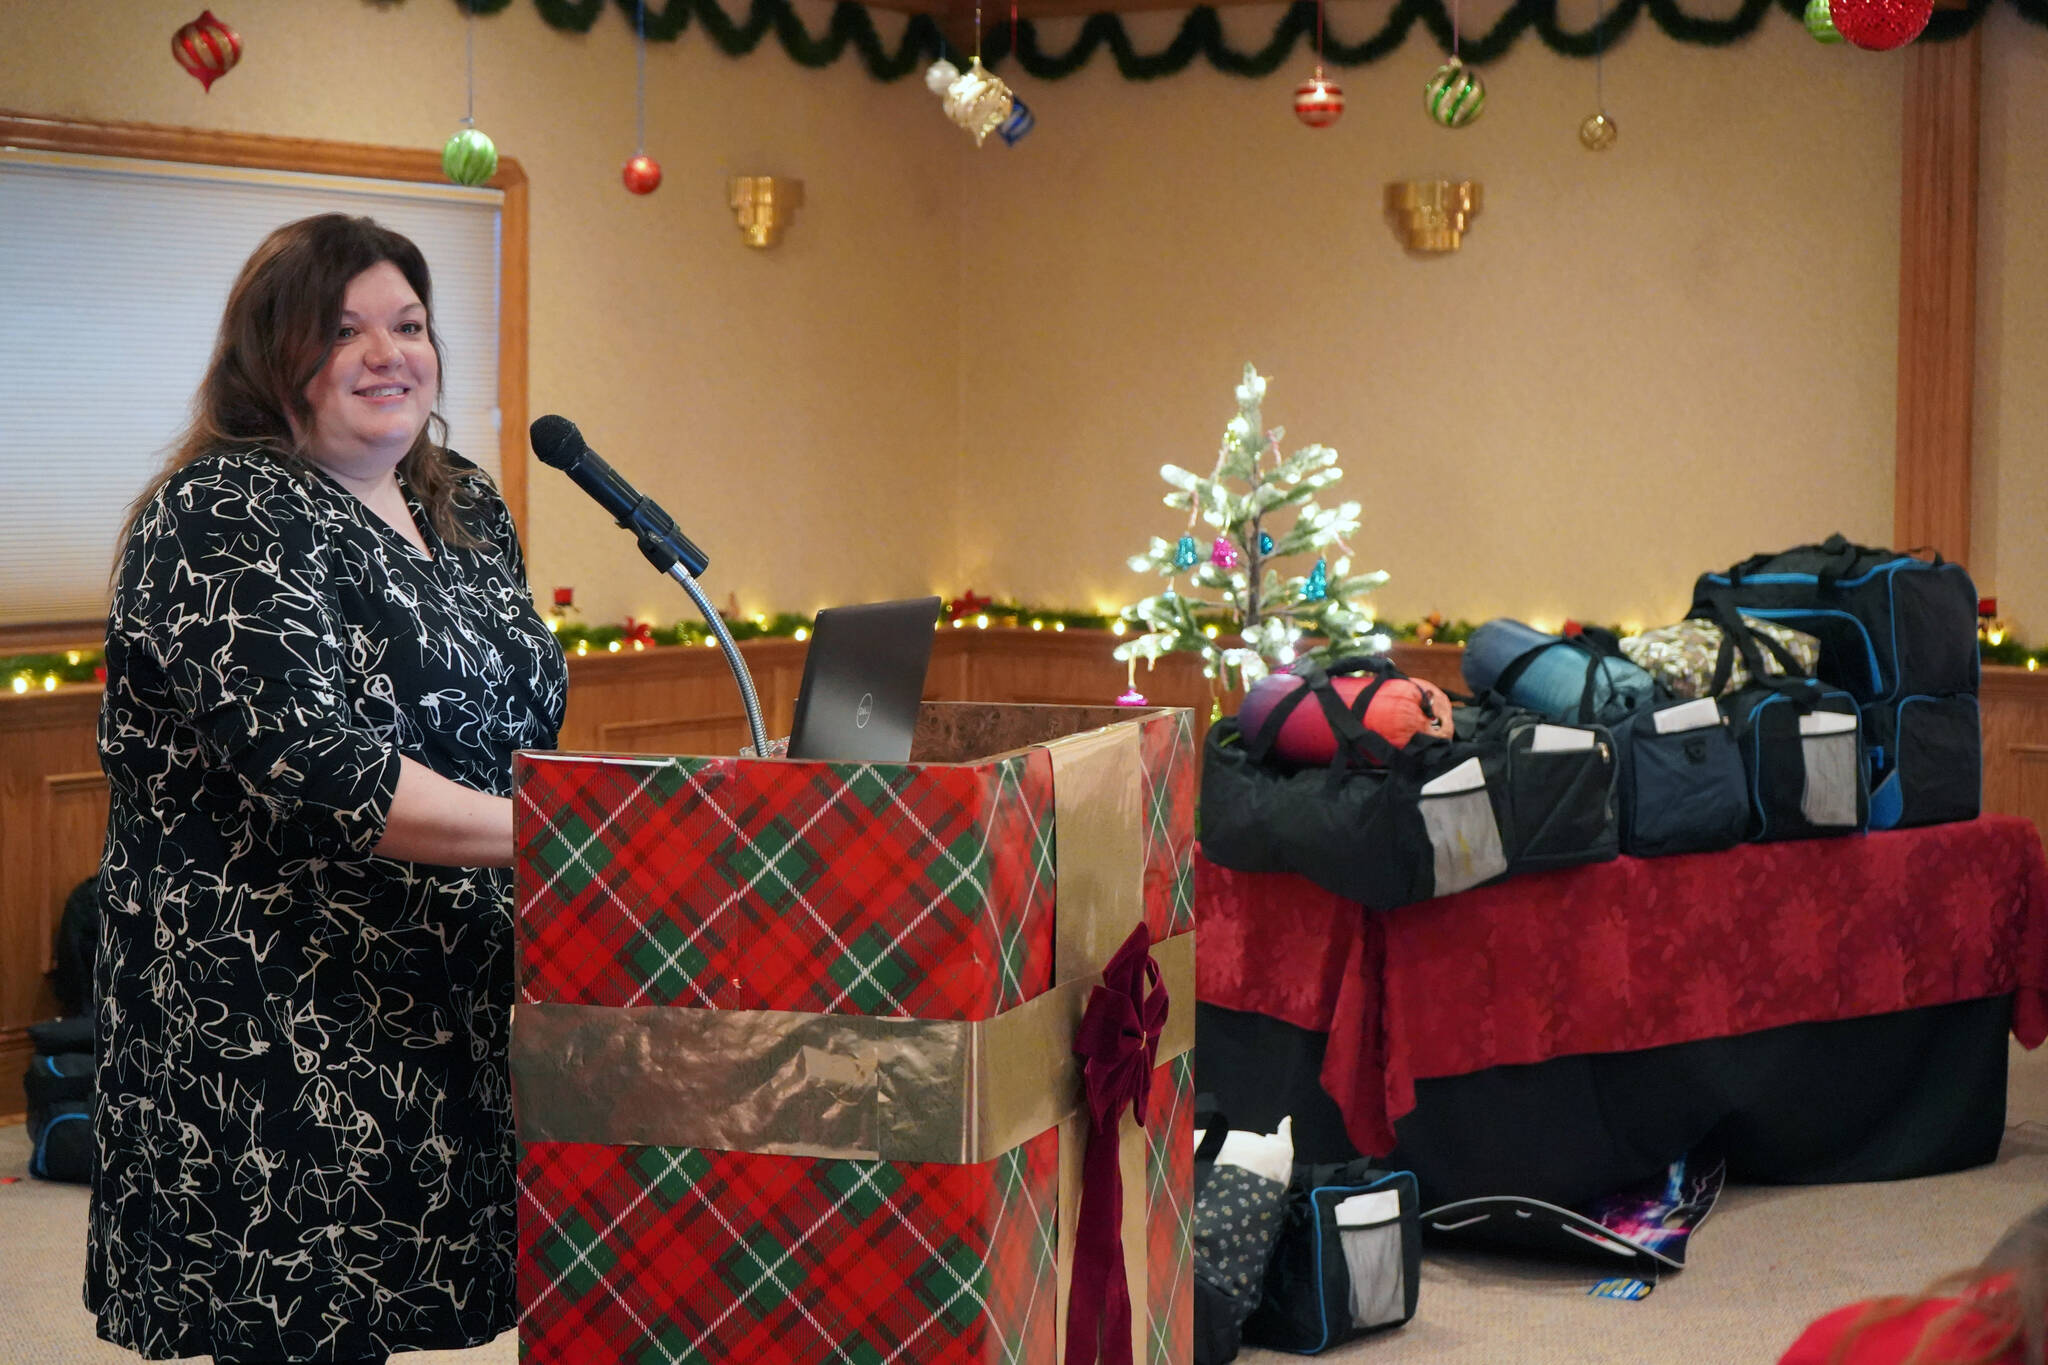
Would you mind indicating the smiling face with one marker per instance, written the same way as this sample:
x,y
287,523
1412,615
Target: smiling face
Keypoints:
x,y
373,396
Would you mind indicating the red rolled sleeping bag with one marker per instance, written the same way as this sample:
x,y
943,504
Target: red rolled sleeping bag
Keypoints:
x,y
1402,709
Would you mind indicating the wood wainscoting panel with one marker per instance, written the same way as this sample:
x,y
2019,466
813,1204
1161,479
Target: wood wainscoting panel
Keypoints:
x,y
53,819
2016,743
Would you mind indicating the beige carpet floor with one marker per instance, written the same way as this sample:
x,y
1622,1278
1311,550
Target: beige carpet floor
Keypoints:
x,y
1768,1261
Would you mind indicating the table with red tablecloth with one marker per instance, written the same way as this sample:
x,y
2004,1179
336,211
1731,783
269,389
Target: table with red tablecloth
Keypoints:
x,y
1630,954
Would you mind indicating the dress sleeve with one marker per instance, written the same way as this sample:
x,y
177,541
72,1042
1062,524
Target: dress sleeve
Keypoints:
x,y
232,607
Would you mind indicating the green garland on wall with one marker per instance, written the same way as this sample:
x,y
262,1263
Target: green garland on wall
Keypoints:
x,y
45,672
1201,33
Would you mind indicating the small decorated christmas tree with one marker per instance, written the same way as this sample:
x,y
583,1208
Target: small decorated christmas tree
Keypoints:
x,y
1235,586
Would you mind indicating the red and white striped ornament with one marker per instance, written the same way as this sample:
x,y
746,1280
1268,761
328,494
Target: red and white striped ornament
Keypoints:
x,y
207,49
1318,102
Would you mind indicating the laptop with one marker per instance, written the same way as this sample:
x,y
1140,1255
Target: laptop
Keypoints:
x,y
863,680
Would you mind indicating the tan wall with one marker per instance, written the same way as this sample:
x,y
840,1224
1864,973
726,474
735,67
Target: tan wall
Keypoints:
x,y
1642,364
793,408
962,369
2009,530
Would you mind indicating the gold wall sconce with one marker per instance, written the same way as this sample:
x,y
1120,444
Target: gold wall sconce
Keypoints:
x,y
1432,215
764,205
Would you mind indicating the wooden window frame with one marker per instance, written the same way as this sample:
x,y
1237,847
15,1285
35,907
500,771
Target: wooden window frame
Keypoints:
x,y
256,151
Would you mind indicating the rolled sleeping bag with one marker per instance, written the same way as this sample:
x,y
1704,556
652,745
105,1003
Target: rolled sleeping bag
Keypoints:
x,y
1402,709
1553,676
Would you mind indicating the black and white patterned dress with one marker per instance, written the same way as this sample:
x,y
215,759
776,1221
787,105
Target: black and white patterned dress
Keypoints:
x,y
303,1119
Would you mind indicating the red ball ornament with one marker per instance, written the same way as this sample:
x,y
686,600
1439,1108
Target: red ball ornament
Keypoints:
x,y
207,49
642,174
1318,102
1880,25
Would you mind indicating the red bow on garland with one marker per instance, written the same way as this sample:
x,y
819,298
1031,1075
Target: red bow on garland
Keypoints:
x,y
967,605
1117,1042
639,632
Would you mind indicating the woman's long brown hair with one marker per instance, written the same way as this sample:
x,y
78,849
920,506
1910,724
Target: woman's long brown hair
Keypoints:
x,y
2002,1303
276,334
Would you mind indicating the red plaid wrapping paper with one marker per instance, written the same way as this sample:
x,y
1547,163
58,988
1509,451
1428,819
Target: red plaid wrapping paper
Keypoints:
x,y
922,891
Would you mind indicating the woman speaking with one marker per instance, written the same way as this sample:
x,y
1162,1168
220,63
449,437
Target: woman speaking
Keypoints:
x,y
321,655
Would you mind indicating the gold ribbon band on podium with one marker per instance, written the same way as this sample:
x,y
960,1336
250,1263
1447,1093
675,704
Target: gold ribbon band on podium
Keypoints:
x,y
854,1087
844,1086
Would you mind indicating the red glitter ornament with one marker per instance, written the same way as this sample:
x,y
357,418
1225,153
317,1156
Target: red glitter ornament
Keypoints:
x,y
1318,102
1880,25
642,174
207,49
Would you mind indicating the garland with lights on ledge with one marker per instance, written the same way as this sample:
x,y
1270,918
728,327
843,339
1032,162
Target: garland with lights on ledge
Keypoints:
x,y
46,672
1201,33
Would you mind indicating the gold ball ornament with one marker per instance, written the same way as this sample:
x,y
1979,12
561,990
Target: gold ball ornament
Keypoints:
x,y
978,101
1454,95
1598,132
469,158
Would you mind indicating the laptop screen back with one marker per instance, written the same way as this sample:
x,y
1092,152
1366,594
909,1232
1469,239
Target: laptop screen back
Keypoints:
x,y
863,681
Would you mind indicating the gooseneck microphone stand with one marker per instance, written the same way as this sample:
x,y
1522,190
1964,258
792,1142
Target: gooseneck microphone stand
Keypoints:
x,y
738,665
559,444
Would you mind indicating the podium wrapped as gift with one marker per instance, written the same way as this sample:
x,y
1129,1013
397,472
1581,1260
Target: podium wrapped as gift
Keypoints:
x,y
793,1052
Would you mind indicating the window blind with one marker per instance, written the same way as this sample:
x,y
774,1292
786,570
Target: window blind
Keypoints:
x,y
113,274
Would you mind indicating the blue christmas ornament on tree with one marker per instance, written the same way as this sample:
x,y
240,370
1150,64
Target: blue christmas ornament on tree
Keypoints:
x,y
1265,543
1318,586
1185,553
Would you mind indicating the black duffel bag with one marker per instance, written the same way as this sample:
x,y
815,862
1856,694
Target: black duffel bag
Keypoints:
x,y
1364,828
1890,626
59,1086
1553,784
1348,1260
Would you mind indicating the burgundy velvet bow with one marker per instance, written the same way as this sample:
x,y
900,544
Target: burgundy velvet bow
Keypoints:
x,y
1117,1042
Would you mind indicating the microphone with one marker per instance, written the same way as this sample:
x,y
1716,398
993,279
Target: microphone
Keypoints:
x,y
558,443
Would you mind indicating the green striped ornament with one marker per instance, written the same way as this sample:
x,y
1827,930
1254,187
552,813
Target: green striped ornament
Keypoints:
x,y
1820,21
469,158
1454,95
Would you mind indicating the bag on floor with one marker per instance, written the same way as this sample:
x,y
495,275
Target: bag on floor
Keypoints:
x,y
1241,1189
59,1086
1579,679
1348,1261
1695,658
1890,626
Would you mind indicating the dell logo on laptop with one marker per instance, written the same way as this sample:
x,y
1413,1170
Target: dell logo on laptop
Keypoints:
x,y
864,712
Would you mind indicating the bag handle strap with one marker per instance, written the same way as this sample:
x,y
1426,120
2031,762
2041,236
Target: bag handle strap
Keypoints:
x,y
1736,634
1355,743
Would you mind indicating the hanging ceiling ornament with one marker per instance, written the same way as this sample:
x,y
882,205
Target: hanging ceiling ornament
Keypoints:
x,y
469,158
1319,102
207,49
642,173
978,101
1454,95
1880,25
1599,131
1020,122
1820,22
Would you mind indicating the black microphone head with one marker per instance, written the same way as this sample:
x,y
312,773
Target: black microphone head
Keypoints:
x,y
556,441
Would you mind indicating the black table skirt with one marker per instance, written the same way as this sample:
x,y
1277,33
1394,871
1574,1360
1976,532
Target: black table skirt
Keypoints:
x,y
1888,1097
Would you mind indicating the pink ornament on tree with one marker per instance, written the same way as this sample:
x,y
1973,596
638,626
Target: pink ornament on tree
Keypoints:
x,y
1224,555
1880,25
1131,697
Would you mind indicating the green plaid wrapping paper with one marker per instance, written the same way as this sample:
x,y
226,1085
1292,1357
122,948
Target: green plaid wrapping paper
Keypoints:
x,y
922,891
